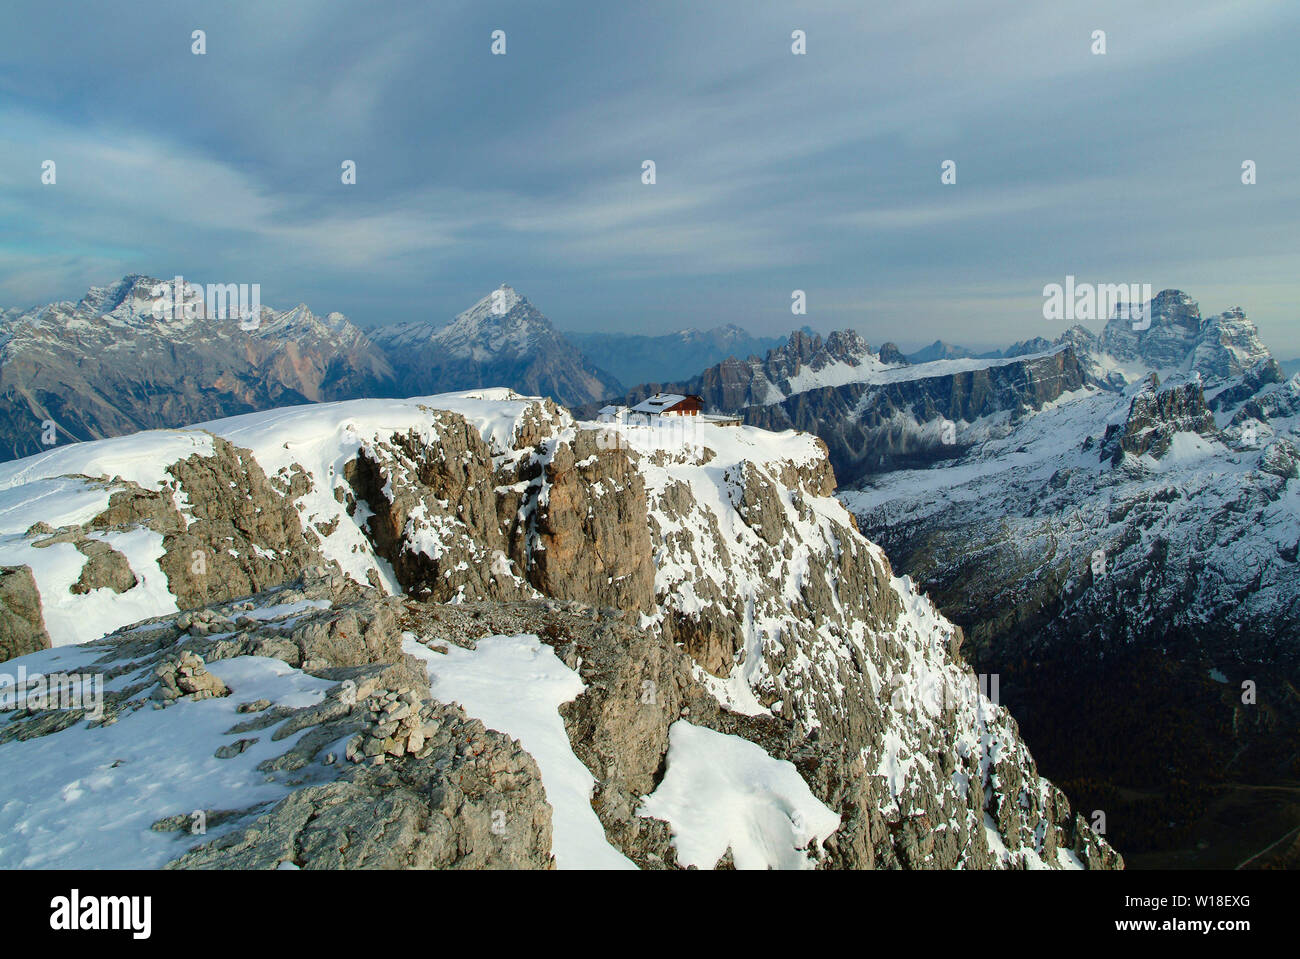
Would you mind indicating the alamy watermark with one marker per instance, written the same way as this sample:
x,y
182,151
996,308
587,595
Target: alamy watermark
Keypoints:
x,y
648,433
53,691
937,693
75,912
179,300
1101,301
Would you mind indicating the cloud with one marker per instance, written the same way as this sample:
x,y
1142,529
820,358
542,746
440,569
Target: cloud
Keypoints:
x,y
775,171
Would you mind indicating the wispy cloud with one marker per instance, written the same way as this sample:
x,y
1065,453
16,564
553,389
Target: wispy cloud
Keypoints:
x,y
774,171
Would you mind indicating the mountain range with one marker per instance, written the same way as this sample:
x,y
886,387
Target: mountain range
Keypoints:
x,y
1099,514
106,365
1124,557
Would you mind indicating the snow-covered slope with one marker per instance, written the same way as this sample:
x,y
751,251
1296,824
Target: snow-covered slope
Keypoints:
x,y
712,576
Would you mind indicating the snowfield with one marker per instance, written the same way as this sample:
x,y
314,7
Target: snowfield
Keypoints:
x,y
88,801
722,792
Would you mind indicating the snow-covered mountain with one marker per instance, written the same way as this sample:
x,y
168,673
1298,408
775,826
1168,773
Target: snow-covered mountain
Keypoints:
x,y
1135,538
501,339
1176,340
880,411
106,365
874,410
468,630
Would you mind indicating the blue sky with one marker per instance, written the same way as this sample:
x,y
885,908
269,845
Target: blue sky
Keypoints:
x,y
774,172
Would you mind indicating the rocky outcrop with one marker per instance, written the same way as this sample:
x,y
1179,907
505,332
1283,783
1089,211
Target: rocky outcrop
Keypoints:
x,y
224,530
714,581
242,533
105,568
183,677
22,627
589,540
1155,416
565,519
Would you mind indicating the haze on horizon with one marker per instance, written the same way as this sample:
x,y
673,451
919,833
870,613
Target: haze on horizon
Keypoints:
x,y
774,172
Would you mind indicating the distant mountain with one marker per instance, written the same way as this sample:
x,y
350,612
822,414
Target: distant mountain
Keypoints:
x,y
804,361
1290,367
1177,339
638,358
874,410
1135,538
939,350
105,365
502,340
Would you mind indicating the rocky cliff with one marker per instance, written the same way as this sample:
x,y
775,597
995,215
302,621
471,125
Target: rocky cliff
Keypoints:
x,y
875,411
428,612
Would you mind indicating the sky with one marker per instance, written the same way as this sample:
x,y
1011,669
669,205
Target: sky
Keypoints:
x,y
773,171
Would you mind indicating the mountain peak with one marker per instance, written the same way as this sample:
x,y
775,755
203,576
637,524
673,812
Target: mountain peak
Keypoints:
x,y
500,302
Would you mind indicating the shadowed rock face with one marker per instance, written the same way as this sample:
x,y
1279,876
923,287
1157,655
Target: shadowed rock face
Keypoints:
x,y
872,428
877,424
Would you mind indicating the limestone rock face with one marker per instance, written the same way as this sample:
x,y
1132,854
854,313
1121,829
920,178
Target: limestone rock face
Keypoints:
x,y
1155,416
223,530
242,534
437,515
105,567
22,628
713,580
563,517
590,541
